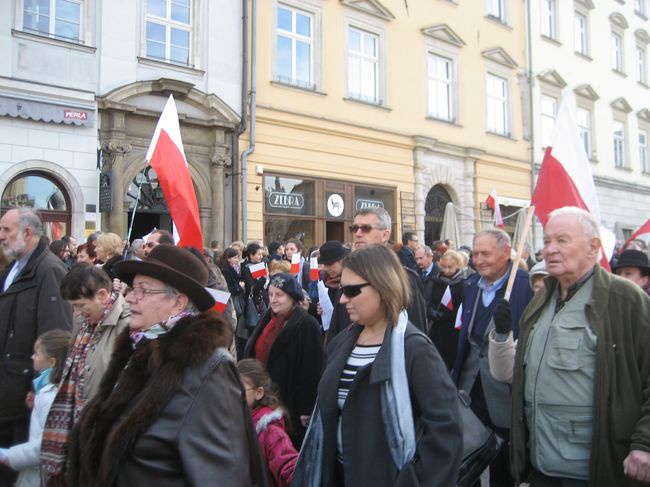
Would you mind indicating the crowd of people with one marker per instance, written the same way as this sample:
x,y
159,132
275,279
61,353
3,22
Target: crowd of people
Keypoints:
x,y
118,369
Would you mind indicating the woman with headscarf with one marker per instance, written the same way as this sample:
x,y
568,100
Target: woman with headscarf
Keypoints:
x,y
387,411
289,343
171,409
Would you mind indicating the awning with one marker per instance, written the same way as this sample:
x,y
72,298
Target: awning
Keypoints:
x,y
47,112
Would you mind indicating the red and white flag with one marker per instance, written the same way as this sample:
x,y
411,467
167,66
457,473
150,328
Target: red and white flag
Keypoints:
x,y
220,299
493,202
314,275
446,299
565,177
258,270
167,157
459,317
643,233
295,264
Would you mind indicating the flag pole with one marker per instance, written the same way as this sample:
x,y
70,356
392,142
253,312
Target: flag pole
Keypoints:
x,y
137,200
520,248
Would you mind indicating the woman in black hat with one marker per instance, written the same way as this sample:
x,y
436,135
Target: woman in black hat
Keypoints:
x,y
289,343
170,409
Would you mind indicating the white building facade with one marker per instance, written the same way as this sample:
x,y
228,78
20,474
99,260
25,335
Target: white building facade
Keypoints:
x,y
596,52
82,84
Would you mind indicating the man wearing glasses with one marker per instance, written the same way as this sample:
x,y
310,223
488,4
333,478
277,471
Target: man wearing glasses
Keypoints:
x,y
371,226
406,254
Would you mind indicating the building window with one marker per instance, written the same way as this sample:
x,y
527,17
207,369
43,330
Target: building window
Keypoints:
x,y
641,65
619,143
548,18
580,34
583,117
363,65
497,10
617,52
640,7
295,47
497,105
60,19
169,30
643,151
440,84
549,112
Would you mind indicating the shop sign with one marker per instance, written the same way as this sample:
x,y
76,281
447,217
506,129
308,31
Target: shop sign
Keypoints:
x,y
70,114
335,205
286,201
363,203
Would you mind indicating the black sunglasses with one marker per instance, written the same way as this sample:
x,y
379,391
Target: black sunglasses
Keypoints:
x,y
353,290
363,228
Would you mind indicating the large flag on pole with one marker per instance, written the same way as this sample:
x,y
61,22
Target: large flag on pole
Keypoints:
x,y
565,178
643,233
167,157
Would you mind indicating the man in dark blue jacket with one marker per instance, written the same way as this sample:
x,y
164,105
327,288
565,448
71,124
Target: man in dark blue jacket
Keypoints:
x,y
482,297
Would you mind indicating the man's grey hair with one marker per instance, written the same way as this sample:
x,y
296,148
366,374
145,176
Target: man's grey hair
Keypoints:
x,y
499,235
136,244
590,226
427,250
27,218
382,215
172,292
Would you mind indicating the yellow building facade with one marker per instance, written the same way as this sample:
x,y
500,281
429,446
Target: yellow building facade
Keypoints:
x,y
394,104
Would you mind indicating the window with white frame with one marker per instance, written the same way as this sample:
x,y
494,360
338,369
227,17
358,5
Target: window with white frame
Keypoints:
x,y
640,7
168,31
641,65
363,65
617,52
583,118
440,87
549,111
548,18
643,151
497,10
497,105
60,19
295,47
618,133
580,34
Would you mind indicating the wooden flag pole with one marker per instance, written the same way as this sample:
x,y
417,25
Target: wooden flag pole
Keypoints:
x,y
520,248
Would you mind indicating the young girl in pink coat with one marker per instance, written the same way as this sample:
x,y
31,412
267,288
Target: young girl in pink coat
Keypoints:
x,y
278,452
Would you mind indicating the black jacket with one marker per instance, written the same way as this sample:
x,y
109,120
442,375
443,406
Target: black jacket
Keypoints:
x,y
31,306
407,258
366,453
295,363
443,320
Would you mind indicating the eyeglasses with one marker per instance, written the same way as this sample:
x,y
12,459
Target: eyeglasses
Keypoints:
x,y
363,228
353,290
140,292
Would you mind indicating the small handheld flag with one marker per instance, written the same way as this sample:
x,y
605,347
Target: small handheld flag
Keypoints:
x,y
459,317
258,270
314,275
446,299
295,264
221,299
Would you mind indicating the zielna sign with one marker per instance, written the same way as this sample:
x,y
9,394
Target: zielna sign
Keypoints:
x,y
286,201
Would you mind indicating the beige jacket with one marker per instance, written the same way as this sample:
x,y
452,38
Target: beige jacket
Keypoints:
x,y
101,348
501,356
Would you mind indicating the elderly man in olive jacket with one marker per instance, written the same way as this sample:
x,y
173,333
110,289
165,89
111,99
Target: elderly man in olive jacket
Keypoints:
x,y
30,304
581,388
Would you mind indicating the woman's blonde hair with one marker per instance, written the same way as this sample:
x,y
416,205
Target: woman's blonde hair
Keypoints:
x,y
111,243
379,266
454,257
279,266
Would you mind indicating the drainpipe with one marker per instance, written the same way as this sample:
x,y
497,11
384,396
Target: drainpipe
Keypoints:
x,y
531,118
251,143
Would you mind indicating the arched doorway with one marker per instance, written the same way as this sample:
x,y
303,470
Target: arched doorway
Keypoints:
x,y
152,211
45,194
434,211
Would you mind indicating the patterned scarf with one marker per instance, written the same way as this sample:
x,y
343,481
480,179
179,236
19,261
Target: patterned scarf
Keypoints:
x,y
153,332
69,400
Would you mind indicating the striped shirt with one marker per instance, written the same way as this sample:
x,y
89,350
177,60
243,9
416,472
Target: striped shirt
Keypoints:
x,y
360,356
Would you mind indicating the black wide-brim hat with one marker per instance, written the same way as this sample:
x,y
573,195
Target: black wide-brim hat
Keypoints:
x,y
175,266
632,258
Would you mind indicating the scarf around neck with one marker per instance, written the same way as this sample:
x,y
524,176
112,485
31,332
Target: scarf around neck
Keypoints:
x,y
158,329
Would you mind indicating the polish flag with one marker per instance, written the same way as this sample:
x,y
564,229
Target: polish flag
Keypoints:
x,y
314,275
258,270
446,299
167,157
295,264
643,233
459,317
493,202
220,299
565,177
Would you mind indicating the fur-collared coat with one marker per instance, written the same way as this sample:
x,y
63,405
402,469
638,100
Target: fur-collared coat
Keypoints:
x,y
170,412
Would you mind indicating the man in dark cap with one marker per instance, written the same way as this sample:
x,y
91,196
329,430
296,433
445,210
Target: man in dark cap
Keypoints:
x,y
330,260
634,266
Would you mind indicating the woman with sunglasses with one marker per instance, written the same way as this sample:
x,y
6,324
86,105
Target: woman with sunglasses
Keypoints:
x,y
288,341
387,410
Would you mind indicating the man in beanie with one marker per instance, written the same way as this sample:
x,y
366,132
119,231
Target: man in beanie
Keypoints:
x,y
634,266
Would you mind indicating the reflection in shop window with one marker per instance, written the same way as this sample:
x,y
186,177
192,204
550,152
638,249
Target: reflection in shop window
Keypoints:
x,y
35,191
279,229
290,196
